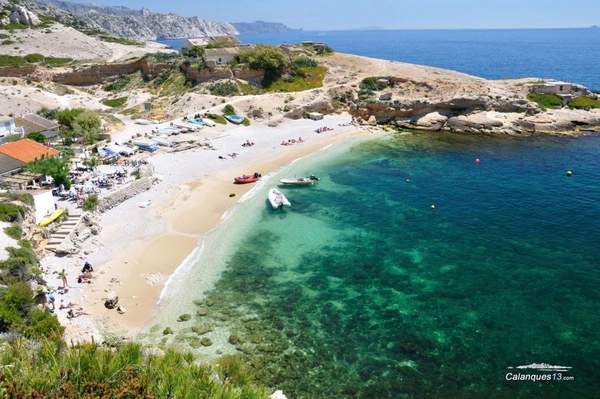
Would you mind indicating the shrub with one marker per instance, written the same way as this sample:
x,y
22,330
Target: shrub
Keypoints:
x,y
14,232
42,324
228,110
369,84
303,61
584,103
115,102
269,58
224,89
91,203
246,122
10,212
118,84
34,58
217,118
37,136
66,116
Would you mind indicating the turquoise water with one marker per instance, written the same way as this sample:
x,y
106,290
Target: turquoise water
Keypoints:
x,y
362,290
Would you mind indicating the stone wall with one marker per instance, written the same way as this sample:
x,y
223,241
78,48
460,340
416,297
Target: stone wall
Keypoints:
x,y
196,75
17,72
97,74
125,193
254,76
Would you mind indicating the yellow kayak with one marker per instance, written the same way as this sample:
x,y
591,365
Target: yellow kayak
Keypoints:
x,y
47,220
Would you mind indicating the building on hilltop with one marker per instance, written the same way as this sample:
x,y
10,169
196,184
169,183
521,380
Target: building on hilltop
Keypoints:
x,y
220,56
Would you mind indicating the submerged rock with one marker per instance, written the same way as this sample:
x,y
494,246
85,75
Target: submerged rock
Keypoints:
x,y
206,341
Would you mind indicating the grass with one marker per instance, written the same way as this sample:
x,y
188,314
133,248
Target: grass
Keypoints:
x,y
115,102
171,82
91,203
217,118
49,369
15,232
32,59
546,101
584,102
307,78
119,40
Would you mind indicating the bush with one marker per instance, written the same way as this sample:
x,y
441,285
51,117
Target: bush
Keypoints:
x,y
229,110
246,122
369,84
115,102
66,116
268,58
34,58
224,89
15,232
91,203
303,61
546,100
217,118
42,324
37,136
584,103
118,84
10,212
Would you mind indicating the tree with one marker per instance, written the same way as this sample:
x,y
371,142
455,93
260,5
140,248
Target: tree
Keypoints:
x,y
57,168
87,125
37,136
66,116
271,59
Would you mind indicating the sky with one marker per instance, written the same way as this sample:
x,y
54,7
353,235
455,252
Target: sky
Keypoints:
x,y
388,14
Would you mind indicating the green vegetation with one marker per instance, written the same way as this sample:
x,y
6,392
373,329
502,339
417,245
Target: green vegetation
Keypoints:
x,y
161,57
49,369
118,84
270,59
546,100
37,136
67,116
303,61
224,89
57,168
229,110
217,118
372,84
584,102
91,203
194,52
87,126
171,82
15,232
246,122
305,78
115,102
32,59
220,43
10,212
121,40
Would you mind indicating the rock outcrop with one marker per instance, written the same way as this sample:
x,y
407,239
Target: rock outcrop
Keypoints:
x,y
21,15
134,24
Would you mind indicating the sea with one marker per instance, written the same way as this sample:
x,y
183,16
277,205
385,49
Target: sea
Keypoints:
x,y
422,265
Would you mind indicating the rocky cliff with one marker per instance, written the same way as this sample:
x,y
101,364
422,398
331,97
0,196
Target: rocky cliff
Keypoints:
x,y
134,24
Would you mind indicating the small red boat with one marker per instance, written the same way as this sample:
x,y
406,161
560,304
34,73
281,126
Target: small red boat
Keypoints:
x,y
246,179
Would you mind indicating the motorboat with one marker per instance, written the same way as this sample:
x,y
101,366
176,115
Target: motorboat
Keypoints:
x,y
299,181
277,199
246,179
235,119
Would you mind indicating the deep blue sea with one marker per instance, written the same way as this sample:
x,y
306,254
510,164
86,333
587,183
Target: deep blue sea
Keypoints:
x,y
411,271
566,54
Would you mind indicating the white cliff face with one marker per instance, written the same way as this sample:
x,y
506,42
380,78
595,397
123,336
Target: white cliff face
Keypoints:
x,y
134,24
21,15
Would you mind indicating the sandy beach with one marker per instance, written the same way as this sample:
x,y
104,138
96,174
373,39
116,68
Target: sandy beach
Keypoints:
x,y
138,248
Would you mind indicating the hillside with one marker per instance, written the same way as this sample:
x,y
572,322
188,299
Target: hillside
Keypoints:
x,y
133,24
261,27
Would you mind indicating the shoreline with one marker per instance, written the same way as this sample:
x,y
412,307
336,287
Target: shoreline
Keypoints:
x,y
141,258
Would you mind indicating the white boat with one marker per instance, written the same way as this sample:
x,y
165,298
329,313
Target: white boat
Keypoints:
x,y
277,199
299,181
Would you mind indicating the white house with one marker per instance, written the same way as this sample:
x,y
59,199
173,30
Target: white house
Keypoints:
x,y
559,88
220,56
9,129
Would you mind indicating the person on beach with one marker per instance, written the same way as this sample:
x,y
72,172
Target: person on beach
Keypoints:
x,y
63,277
87,268
51,298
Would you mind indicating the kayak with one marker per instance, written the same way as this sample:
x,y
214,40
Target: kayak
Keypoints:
x,y
236,119
47,220
246,179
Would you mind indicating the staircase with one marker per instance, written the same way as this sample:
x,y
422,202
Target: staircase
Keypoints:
x,y
63,231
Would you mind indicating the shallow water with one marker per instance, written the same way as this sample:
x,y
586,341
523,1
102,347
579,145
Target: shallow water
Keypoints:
x,y
362,289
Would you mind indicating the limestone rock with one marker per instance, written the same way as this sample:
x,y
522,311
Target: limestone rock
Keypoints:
x,y
21,15
372,120
432,121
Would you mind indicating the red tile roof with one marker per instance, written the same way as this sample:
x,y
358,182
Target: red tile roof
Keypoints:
x,y
27,150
